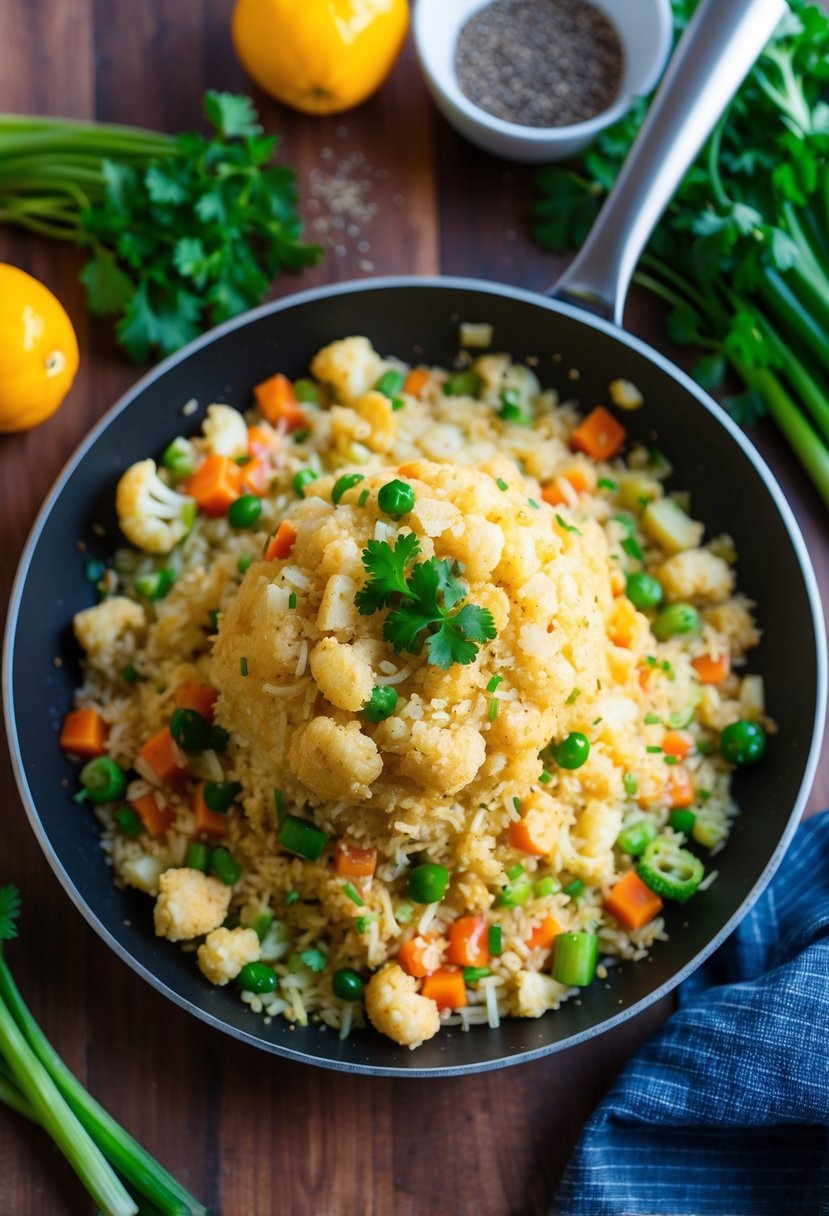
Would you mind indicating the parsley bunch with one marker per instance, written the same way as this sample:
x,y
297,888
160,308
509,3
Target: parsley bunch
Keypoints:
x,y
183,232
423,603
36,1083
741,257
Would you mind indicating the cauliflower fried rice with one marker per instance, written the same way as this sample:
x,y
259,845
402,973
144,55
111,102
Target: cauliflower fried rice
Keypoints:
x,y
420,683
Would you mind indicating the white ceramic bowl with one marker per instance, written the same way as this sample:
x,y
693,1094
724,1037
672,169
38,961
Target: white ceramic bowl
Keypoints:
x,y
644,29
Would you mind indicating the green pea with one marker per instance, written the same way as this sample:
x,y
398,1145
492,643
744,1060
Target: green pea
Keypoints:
x,y
345,483
347,984
381,704
191,731
245,511
428,883
390,383
676,619
103,779
573,751
303,478
128,822
256,977
682,820
155,586
463,384
220,795
636,837
396,498
225,866
307,392
743,742
644,591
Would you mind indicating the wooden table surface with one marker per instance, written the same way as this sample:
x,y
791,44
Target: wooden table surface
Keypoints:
x,y
248,1133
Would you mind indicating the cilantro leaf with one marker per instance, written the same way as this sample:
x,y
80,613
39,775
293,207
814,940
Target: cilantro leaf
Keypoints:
x,y
108,288
449,646
475,623
231,114
386,567
9,912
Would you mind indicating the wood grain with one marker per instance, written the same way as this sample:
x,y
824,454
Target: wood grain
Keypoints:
x,y
252,1134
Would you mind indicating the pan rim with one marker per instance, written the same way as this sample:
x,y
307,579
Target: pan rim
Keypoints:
x,y
458,283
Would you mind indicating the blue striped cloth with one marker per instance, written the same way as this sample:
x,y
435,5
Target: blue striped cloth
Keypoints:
x,y
725,1109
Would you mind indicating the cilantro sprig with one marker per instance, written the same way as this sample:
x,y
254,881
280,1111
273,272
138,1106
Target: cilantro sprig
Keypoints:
x,y
183,232
740,257
424,603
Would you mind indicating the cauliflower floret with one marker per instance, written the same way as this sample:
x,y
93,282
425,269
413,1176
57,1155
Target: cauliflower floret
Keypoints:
x,y
342,675
225,952
225,432
100,627
190,904
441,760
696,574
142,872
397,1009
536,993
151,515
351,366
336,762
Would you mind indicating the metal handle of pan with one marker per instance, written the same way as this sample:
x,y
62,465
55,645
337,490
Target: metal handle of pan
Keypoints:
x,y
713,57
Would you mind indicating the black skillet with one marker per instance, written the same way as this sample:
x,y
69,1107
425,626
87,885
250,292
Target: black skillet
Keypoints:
x,y
417,319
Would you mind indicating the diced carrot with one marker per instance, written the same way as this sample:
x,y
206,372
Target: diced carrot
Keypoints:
x,y
622,622
192,694
632,902
277,401
680,786
263,440
416,381
215,485
257,477
600,436
411,469
677,743
212,824
156,819
446,988
710,670
545,934
618,582
645,678
281,545
410,956
353,862
84,733
578,479
533,833
160,753
468,942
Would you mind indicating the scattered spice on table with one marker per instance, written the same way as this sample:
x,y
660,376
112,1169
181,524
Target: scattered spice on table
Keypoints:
x,y
340,202
540,63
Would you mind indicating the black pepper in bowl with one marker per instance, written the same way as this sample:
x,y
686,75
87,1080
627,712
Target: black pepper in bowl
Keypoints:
x,y
540,63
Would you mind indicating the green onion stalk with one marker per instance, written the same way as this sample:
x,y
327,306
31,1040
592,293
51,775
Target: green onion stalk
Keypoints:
x,y
741,257
36,1083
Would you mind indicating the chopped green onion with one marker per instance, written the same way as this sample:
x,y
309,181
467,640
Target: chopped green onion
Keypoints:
x,y
303,478
463,384
292,599
494,940
403,914
390,383
302,838
607,483
291,898
363,922
501,484
652,720
516,802
364,497
225,866
493,683
243,666
154,586
574,696
575,958
213,615
306,392
574,888
219,796
262,923
492,712
471,975
515,872
533,504
244,563
397,403
545,777
197,856
279,803
633,549
654,750
636,837
129,675
514,895
546,886
354,895
103,780
670,759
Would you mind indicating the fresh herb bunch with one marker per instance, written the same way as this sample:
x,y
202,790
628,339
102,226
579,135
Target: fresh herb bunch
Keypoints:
x,y
423,603
183,232
36,1083
741,257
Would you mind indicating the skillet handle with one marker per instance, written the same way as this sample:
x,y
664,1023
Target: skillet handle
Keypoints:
x,y
714,55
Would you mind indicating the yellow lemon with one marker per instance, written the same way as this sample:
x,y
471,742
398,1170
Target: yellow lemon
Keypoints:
x,y
319,56
38,351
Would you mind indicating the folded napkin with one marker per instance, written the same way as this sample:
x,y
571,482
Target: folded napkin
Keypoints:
x,y
725,1109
